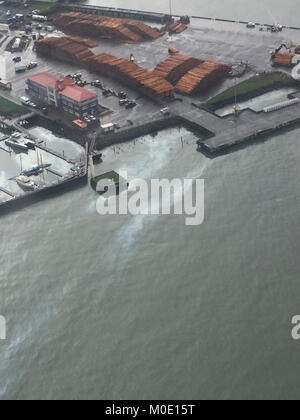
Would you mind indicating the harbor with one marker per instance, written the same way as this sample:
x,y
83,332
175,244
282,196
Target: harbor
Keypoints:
x,y
152,80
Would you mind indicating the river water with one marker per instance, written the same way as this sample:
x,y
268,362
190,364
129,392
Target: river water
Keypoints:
x,y
137,307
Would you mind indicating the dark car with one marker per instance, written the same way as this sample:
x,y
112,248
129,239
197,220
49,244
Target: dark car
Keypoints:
x,y
17,59
131,105
97,84
122,95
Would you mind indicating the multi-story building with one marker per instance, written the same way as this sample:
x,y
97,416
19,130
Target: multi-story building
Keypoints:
x,y
62,92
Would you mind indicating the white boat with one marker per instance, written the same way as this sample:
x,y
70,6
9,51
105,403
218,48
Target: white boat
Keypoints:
x,y
14,144
25,183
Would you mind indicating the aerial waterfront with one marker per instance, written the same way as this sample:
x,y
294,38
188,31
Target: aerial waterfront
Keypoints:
x,y
140,307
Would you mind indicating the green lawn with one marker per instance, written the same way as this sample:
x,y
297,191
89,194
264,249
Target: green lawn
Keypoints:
x,y
42,6
252,85
8,108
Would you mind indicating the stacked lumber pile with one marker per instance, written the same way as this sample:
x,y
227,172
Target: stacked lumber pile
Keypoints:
x,y
101,26
284,59
177,28
202,77
131,74
176,67
64,49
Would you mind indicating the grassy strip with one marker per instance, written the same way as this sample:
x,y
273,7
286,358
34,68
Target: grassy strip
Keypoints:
x,y
251,87
41,5
8,108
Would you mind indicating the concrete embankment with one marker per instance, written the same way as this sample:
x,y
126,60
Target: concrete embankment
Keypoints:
x,y
150,127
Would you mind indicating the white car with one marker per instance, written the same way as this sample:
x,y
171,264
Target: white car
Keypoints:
x,y
251,25
35,12
165,111
8,13
16,135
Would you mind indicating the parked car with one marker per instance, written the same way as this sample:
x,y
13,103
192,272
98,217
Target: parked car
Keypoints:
x,y
165,111
131,105
122,95
97,84
32,65
17,59
251,25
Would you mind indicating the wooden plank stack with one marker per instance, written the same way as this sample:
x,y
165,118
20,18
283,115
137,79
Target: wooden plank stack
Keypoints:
x,y
176,67
105,27
202,77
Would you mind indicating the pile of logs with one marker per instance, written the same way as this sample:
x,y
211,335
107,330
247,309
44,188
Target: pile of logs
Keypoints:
x,y
284,59
202,77
176,67
177,28
65,49
104,27
131,74
173,50
84,41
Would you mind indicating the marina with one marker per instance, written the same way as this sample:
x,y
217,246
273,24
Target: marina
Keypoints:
x,y
29,172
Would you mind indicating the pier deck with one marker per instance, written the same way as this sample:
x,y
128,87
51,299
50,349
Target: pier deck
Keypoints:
x,y
216,134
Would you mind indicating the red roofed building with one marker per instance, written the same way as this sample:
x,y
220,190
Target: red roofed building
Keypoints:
x,y
62,92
